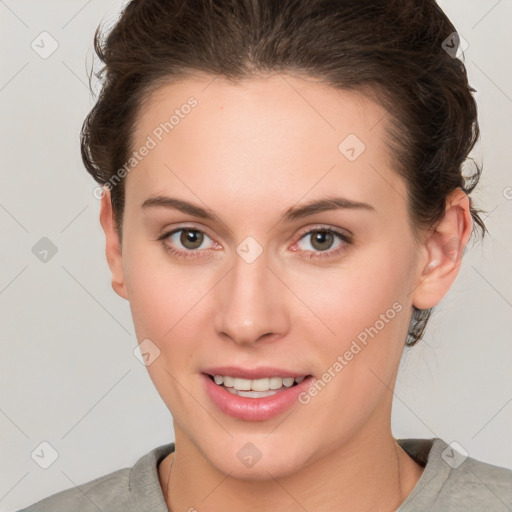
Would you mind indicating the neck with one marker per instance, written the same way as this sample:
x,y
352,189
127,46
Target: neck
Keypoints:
x,y
370,474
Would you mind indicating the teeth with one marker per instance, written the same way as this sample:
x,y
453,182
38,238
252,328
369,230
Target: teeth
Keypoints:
x,y
256,394
242,384
246,386
227,381
276,382
288,382
260,384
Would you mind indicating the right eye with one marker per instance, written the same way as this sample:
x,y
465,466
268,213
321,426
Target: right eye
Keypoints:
x,y
189,238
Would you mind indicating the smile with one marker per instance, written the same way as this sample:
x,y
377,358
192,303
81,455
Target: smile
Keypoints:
x,y
256,388
254,399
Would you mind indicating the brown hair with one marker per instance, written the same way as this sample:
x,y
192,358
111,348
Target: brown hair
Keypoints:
x,y
393,50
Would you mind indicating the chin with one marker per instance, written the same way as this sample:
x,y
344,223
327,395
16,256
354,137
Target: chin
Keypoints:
x,y
256,458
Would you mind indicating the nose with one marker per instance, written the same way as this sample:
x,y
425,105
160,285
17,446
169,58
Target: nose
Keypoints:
x,y
251,304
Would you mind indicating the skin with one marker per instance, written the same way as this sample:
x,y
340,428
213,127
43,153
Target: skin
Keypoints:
x,y
249,152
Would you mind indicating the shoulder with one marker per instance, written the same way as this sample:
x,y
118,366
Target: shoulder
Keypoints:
x,y
125,490
452,481
97,494
477,484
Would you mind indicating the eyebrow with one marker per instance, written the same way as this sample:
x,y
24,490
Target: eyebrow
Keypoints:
x,y
293,213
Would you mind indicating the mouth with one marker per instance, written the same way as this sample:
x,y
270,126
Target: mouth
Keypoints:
x,y
254,395
255,388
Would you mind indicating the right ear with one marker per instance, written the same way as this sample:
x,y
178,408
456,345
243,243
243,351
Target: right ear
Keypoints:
x,y
113,247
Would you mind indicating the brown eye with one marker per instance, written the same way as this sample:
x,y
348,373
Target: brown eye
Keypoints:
x,y
321,243
322,240
187,243
191,239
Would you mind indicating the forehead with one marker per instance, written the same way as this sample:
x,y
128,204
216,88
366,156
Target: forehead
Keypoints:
x,y
278,136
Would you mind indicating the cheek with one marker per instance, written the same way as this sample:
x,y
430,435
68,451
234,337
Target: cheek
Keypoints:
x,y
159,292
364,311
356,362
167,302
354,295
162,299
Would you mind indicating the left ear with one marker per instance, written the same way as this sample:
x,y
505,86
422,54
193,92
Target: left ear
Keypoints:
x,y
443,250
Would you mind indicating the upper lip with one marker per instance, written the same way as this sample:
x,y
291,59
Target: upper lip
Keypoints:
x,y
252,373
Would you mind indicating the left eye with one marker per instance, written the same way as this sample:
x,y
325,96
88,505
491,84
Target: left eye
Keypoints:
x,y
322,240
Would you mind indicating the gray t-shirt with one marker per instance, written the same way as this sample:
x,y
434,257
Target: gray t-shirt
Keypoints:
x,y
449,483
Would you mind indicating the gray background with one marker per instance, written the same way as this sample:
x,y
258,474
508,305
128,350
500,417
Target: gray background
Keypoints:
x,y
68,373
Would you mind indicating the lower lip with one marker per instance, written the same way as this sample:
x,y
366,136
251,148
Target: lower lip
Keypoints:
x,y
254,409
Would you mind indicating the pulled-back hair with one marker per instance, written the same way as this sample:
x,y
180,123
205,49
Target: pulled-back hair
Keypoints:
x,y
396,51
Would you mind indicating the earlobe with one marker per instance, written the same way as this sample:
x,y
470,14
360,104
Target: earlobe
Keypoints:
x,y
113,250
443,251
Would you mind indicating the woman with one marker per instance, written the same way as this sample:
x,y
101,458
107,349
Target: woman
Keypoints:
x,y
283,204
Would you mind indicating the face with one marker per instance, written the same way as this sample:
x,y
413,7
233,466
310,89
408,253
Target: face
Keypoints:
x,y
229,273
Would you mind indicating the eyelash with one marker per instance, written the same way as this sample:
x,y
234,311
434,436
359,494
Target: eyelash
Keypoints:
x,y
192,254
